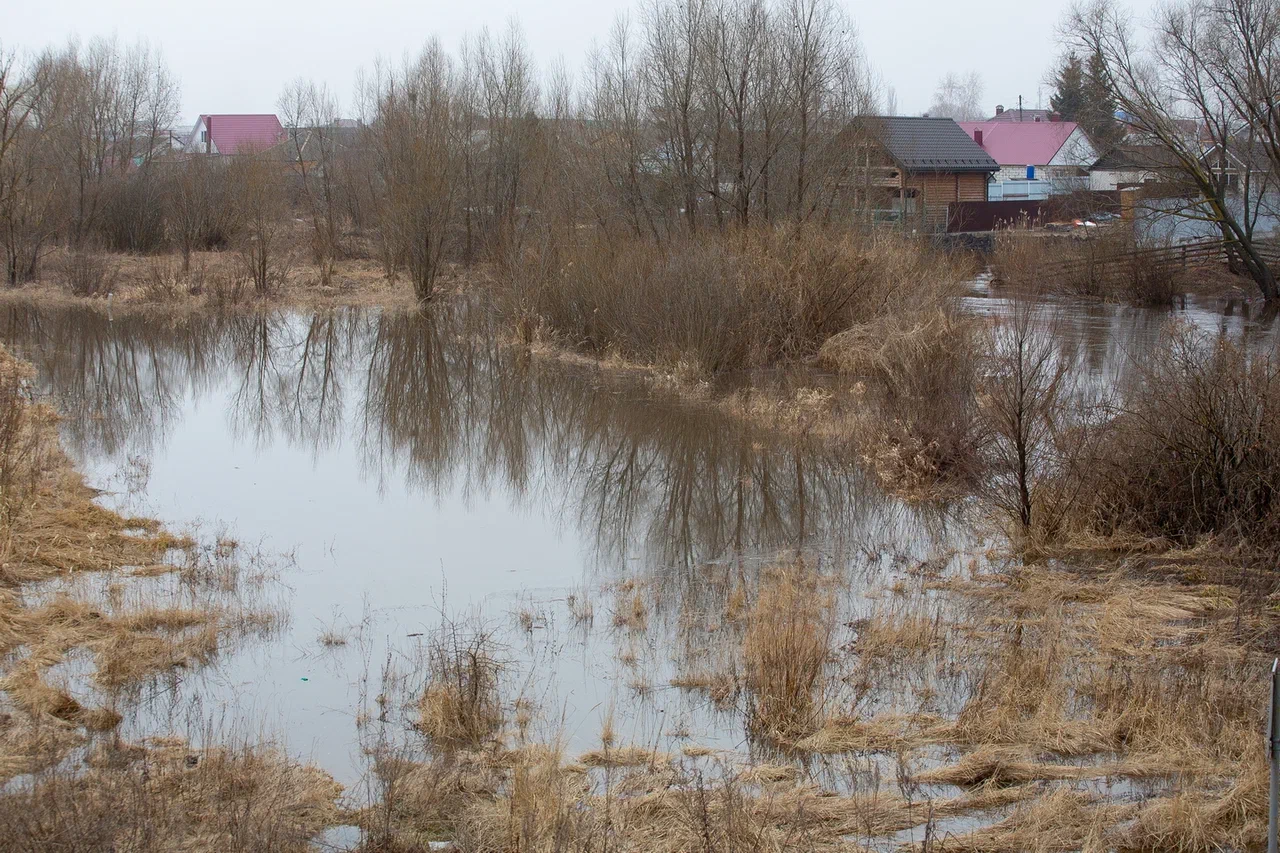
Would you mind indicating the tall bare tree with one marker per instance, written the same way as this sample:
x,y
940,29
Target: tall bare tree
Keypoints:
x,y
310,115
1213,65
416,148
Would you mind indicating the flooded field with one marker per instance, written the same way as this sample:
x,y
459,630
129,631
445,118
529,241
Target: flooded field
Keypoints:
x,y
394,473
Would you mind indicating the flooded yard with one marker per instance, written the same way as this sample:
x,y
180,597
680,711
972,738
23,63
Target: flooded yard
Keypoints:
x,y
400,472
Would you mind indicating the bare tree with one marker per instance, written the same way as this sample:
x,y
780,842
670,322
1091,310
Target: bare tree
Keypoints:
x,y
416,146
199,205
1216,66
617,134
676,35
1025,394
959,96
31,186
261,218
310,114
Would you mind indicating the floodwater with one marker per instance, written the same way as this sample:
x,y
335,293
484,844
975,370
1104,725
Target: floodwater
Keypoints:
x,y
406,470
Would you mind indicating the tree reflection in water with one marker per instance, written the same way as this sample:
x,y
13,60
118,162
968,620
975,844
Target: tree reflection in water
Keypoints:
x,y
432,399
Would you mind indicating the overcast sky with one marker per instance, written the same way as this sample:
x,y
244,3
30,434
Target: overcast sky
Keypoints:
x,y
237,55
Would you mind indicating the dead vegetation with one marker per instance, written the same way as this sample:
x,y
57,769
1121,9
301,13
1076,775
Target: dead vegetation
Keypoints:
x,y
167,605
168,795
460,705
785,650
1086,268
722,302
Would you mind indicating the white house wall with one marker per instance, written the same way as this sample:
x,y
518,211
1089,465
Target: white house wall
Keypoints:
x,y
194,144
1077,151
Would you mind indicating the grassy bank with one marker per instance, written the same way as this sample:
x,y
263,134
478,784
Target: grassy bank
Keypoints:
x,y
78,657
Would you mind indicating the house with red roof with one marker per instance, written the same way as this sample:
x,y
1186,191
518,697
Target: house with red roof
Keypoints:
x,y
1056,151
235,133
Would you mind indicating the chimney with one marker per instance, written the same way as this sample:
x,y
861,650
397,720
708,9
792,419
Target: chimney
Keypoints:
x,y
977,137
999,109
208,134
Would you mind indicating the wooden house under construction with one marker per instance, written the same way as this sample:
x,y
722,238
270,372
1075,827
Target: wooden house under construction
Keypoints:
x,y
909,171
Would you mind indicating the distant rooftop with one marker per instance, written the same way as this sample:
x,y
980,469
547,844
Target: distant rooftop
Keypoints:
x,y
922,144
238,133
1023,115
1021,143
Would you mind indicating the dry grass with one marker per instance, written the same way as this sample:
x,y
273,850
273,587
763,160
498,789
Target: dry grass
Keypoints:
x,y
53,534
630,609
785,651
1063,820
144,282
722,688
171,797
916,425
460,705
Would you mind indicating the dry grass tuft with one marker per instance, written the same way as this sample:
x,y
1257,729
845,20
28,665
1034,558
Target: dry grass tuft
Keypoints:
x,y
624,756
785,652
460,705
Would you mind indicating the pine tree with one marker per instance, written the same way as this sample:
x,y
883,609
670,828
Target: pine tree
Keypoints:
x,y
1068,98
1098,111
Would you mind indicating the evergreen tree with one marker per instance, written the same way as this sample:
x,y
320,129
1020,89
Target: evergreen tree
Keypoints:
x,y
1098,111
1068,97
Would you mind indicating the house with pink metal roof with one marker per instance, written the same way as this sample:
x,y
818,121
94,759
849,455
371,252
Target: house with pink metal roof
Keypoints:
x,y
235,133
1056,151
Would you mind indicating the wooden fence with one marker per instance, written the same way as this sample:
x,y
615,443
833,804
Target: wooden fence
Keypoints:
x,y
1198,254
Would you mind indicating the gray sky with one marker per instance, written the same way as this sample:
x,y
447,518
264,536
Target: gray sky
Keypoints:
x,y
237,55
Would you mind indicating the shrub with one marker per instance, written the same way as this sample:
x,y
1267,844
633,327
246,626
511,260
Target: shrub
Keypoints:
x,y
90,273
460,705
1084,267
1192,446
720,302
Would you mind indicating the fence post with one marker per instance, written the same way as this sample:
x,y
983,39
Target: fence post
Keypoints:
x,y
1273,750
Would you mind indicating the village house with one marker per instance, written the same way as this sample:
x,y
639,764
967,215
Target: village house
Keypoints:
x,y
911,170
232,134
1020,115
1037,158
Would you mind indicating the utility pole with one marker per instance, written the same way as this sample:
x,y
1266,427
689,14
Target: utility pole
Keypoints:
x,y
1273,755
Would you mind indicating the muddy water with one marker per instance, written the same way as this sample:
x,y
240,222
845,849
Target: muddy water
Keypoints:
x,y
411,473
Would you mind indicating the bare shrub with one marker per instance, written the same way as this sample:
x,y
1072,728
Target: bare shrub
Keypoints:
x,y
228,288
90,273
460,705
262,217
164,281
719,302
199,205
1192,446
1097,266
132,215
1024,394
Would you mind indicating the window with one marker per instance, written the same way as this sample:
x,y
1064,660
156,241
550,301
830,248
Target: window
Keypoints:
x,y
204,136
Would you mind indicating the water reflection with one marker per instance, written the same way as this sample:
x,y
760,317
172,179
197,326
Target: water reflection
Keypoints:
x,y
431,401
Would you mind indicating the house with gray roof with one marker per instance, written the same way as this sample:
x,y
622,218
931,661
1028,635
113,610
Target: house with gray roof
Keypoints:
x,y
911,169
